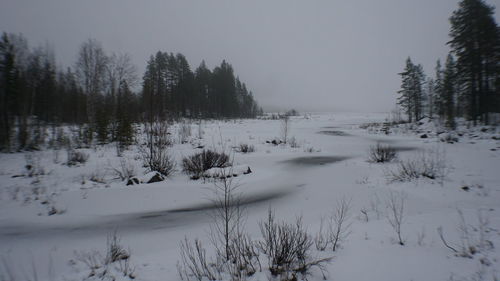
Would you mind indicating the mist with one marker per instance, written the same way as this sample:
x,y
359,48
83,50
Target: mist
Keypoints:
x,y
313,56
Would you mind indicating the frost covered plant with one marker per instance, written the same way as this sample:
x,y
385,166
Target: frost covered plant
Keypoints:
x,y
76,157
285,128
116,262
33,166
194,262
381,153
184,132
287,247
429,164
125,170
321,240
339,228
293,142
245,148
114,249
155,153
396,210
195,165
473,238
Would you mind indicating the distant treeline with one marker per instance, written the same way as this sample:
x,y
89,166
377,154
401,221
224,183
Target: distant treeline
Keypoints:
x,y
98,92
469,84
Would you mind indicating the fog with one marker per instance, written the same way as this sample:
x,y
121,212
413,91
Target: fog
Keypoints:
x,y
309,55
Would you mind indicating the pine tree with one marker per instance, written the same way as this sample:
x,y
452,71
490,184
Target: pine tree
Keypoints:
x,y
411,93
475,43
8,90
439,106
448,92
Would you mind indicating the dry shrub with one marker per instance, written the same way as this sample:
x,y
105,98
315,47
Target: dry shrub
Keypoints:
x,y
429,164
381,153
287,247
198,163
76,157
245,148
156,153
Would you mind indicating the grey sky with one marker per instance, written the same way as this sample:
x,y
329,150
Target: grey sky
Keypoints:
x,y
310,55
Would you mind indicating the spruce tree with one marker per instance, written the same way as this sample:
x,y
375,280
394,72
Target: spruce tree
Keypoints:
x,y
448,92
475,43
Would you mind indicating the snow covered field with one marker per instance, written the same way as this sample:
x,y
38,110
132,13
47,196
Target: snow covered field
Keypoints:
x,y
87,202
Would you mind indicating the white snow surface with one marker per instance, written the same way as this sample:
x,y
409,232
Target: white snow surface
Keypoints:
x,y
90,202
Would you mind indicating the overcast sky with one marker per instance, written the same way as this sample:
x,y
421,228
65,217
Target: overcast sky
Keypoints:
x,y
311,55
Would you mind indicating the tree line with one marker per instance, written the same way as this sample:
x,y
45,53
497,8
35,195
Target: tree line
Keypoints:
x,y
469,83
99,93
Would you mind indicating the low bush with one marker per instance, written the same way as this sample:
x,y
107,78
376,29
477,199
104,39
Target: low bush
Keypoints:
x,y
287,247
115,265
33,166
184,132
245,148
114,250
76,157
125,171
155,153
381,153
429,164
198,163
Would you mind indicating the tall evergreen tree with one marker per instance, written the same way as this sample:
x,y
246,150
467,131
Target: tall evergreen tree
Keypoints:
x,y
475,43
448,91
411,93
8,90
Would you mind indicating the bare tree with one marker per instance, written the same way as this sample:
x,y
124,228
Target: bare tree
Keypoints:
x,y
340,222
120,69
285,127
228,214
91,70
396,203
121,75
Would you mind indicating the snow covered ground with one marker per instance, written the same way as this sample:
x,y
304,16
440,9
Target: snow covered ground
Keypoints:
x,y
47,221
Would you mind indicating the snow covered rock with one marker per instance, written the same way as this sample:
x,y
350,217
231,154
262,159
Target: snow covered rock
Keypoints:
x,y
227,172
133,181
448,137
152,177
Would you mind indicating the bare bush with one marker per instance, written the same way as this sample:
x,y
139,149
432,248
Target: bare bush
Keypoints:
x,y
194,262
473,238
76,157
245,148
114,250
116,261
287,247
184,132
156,154
395,204
92,260
381,153
125,171
33,166
339,228
293,142
98,176
198,163
321,240
200,132
228,217
244,257
285,128
428,164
